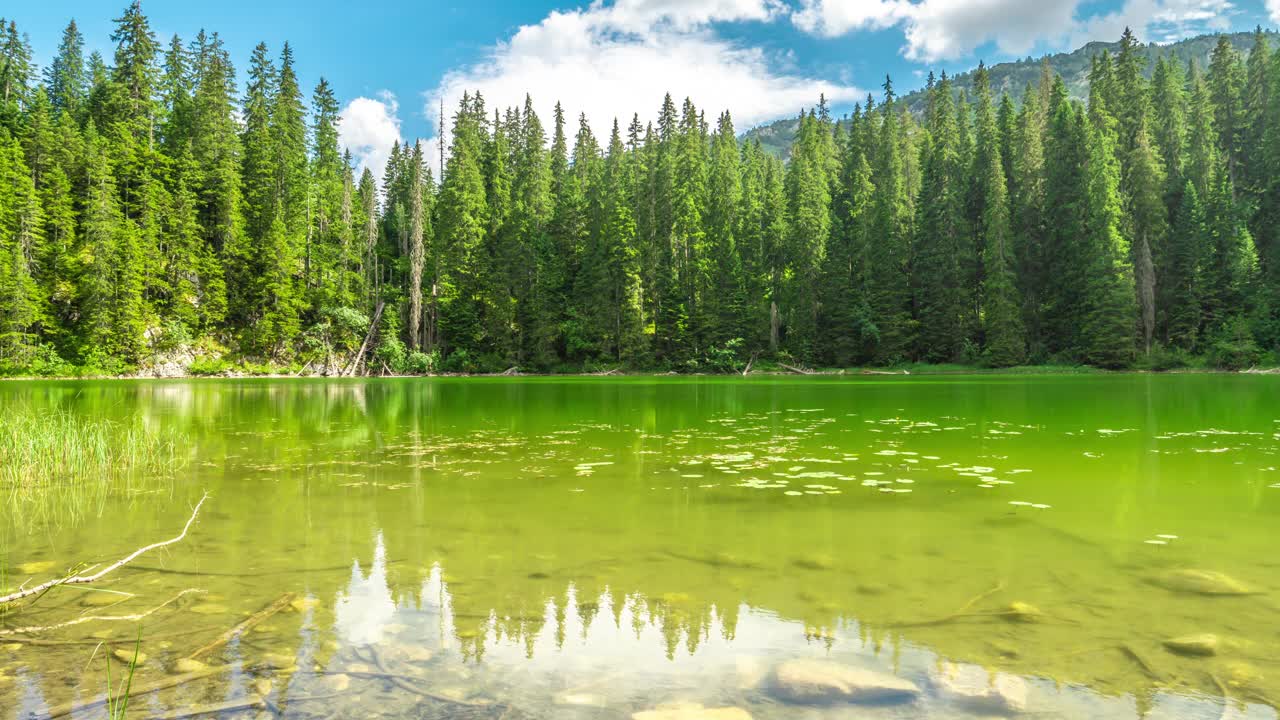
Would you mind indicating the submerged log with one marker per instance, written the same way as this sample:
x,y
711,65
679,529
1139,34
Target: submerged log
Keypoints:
x,y
65,709
280,604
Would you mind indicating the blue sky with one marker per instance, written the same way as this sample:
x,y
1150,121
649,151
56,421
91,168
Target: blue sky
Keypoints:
x,y
391,62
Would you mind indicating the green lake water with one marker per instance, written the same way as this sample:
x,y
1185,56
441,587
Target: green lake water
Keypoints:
x,y
593,548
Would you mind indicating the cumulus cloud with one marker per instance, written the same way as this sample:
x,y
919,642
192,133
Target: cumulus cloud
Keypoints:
x,y
369,127
943,29
612,60
949,29
1273,7
1159,20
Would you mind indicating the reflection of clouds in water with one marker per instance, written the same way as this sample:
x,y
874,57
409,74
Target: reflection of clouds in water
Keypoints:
x,y
364,610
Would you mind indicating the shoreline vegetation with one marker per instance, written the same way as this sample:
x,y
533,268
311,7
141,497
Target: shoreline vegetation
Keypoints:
x,y
761,369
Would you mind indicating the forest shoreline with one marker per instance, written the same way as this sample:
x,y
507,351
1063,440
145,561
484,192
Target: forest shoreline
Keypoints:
x,y
859,372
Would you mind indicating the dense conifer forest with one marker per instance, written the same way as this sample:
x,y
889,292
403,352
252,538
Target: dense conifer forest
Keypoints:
x,y
157,205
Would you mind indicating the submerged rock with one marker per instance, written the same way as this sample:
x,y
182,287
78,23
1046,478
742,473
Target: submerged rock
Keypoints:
x,y
127,656
1019,611
278,661
210,609
35,568
691,711
578,699
337,683
973,688
821,682
1204,645
1202,582
187,665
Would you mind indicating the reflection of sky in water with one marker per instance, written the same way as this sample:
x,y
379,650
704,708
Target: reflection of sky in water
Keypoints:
x,y
624,652
365,608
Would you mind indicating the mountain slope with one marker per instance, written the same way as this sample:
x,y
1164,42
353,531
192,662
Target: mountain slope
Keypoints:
x,y
1013,77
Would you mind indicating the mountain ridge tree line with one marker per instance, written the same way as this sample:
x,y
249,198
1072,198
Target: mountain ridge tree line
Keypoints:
x,y
150,208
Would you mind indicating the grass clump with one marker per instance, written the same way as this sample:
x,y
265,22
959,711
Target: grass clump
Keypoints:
x,y
56,466
59,448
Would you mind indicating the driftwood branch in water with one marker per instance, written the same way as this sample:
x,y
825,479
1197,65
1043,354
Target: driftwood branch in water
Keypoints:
x,y
99,618
65,709
280,604
82,579
250,702
796,370
750,363
41,642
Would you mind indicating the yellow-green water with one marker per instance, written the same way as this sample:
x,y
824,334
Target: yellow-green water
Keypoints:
x,y
590,548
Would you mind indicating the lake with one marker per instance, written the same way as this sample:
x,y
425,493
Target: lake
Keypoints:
x,y
1100,546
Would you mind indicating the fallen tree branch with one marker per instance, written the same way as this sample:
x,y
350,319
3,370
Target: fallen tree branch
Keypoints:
x,y
82,579
280,604
41,642
99,618
250,702
364,346
65,709
750,363
796,370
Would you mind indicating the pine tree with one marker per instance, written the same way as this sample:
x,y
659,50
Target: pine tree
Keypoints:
x,y
1181,284
846,328
809,223
942,235
1107,319
66,76
1028,219
1148,224
20,244
722,293
16,71
325,200
1226,87
216,153
288,131
1066,252
1003,333
462,224
890,241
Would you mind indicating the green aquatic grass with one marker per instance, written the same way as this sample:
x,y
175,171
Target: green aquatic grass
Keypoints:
x,y
56,466
54,448
118,706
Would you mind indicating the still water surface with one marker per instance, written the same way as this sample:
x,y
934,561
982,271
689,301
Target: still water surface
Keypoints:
x,y
594,548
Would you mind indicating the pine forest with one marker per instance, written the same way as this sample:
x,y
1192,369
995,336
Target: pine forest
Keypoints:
x,y
158,204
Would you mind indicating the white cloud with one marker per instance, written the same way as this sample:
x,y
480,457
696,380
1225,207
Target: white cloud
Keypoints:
x,y
1159,20
369,127
944,29
1273,7
613,60
949,29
